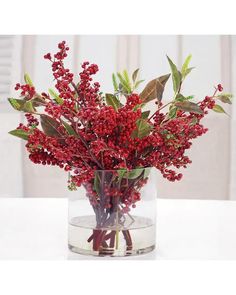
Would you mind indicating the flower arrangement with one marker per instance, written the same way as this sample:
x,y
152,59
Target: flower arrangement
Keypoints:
x,y
86,132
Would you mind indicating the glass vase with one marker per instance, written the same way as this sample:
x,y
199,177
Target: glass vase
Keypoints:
x,y
114,214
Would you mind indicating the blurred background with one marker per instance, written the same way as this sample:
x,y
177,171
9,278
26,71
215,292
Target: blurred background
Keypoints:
x,y
212,174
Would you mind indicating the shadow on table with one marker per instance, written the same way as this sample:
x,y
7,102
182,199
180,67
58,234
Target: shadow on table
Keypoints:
x,y
75,256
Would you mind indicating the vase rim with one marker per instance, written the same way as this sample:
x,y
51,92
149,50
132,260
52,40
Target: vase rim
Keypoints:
x,y
138,168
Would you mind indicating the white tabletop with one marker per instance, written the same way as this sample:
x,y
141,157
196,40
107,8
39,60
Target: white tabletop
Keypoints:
x,y
186,229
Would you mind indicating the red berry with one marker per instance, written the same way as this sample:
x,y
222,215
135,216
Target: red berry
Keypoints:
x,y
220,88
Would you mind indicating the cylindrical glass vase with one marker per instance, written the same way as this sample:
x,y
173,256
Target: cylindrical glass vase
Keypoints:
x,y
114,214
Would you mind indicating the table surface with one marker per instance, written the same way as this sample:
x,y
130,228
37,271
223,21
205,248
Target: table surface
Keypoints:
x,y
36,229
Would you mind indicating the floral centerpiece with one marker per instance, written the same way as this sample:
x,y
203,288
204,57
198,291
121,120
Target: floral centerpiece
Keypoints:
x,y
109,142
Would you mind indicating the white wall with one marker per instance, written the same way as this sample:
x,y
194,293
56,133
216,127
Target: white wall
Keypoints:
x,y
233,121
11,177
212,170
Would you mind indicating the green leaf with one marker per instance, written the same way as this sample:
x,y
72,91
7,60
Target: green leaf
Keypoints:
x,y
50,126
96,184
188,106
133,174
181,97
121,89
176,75
184,70
194,121
20,133
115,84
22,105
143,128
170,136
189,97
113,101
121,173
17,104
218,109
225,98
28,80
145,114
124,83
172,113
154,89
57,98
38,101
126,77
186,63
28,107
69,128
135,75
188,71
146,172
138,83
138,106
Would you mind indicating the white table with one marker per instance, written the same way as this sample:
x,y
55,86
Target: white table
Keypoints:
x,y
187,229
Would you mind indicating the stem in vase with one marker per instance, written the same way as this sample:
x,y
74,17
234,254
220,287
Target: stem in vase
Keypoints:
x,y
117,230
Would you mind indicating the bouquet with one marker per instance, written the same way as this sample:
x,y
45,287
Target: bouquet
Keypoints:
x,y
108,142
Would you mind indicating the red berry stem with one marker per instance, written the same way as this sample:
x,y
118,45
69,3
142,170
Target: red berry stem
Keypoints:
x,y
128,239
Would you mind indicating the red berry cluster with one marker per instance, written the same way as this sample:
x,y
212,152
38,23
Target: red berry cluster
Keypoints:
x,y
102,121
26,90
32,121
53,109
133,100
207,103
88,94
60,73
